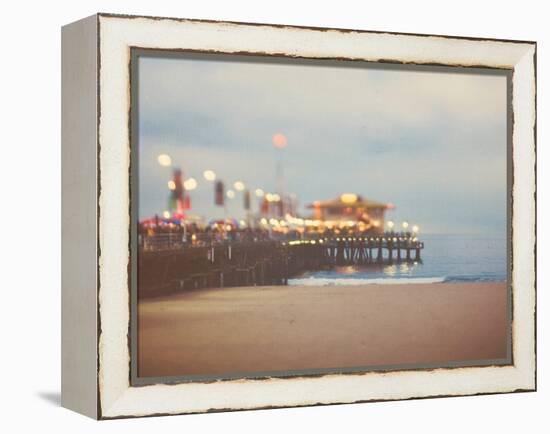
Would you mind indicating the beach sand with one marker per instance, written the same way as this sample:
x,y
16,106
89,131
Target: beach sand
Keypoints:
x,y
282,328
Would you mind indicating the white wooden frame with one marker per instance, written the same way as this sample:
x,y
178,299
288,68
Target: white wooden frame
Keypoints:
x,y
96,158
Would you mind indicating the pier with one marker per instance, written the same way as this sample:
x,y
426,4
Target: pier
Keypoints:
x,y
168,265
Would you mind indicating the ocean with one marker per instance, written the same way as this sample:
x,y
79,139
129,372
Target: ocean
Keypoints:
x,y
445,258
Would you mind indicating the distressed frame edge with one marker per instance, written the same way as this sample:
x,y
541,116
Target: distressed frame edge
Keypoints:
x,y
529,386
79,138
306,27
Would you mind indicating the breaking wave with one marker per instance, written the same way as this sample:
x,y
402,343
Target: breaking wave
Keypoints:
x,y
321,281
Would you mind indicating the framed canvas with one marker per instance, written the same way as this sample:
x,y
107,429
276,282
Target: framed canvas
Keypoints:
x,y
262,216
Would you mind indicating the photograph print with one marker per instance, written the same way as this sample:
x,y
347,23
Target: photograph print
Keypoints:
x,y
297,217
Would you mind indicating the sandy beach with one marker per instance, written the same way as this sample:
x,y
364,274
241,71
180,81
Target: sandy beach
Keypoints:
x,y
281,328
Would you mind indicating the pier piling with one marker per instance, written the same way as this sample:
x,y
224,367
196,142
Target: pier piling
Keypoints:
x,y
269,262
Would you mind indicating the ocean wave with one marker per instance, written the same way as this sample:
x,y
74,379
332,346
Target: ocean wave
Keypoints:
x,y
468,279
319,281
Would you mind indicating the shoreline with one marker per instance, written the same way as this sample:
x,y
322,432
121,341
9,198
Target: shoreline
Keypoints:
x,y
352,281
289,328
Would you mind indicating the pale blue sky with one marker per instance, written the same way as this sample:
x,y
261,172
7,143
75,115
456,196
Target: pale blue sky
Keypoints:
x,y
432,143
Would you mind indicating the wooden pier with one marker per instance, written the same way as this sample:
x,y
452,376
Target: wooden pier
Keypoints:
x,y
178,267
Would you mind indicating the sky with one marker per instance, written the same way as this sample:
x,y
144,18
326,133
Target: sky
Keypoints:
x,y
431,142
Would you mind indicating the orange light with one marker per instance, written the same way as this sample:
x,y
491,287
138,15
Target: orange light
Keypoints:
x,y
279,141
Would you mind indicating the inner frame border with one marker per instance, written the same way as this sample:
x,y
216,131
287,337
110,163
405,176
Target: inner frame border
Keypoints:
x,y
258,57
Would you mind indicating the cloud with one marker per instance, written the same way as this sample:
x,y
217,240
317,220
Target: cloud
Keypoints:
x,y
433,143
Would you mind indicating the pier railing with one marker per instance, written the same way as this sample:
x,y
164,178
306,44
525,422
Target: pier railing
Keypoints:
x,y
169,264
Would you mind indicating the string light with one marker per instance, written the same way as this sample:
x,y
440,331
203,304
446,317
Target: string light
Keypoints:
x,y
209,175
239,185
190,184
164,160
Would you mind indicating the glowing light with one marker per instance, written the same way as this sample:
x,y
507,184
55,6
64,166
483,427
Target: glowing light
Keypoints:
x,y
348,198
228,228
166,214
239,185
259,192
405,225
209,175
279,141
391,224
276,197
375,223
171,185
164,160
263,221
415,229
190,184
230,194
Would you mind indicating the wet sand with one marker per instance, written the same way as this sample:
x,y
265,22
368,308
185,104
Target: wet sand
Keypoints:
x,y
281,328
